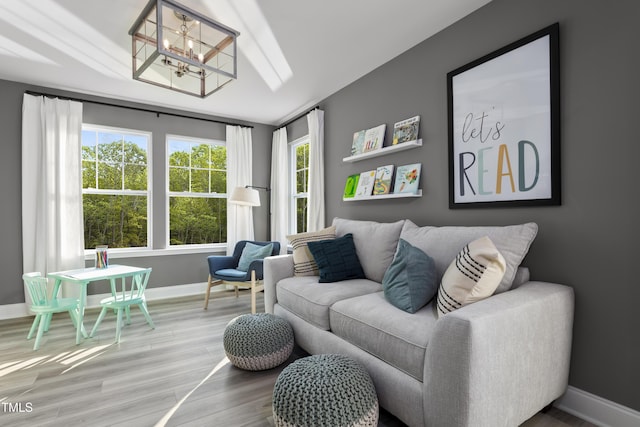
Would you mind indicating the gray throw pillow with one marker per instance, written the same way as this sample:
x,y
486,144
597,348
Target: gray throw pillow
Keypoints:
x,y
411,281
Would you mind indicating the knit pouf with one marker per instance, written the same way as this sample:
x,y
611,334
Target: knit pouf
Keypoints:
x,y
325,390
256,342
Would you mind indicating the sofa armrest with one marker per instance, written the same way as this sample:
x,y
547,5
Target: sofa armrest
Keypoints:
x,y
275,268
499,361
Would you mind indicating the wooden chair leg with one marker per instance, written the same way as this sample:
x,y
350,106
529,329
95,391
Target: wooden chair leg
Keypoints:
x,y
206,295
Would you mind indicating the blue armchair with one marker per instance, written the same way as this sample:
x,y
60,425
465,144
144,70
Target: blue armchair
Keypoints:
x,y
224,270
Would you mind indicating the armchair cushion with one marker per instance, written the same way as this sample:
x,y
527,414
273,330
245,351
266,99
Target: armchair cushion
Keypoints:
x,y
231,275
252,252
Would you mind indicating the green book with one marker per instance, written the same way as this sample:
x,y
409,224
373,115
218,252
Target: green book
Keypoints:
x,y
350,186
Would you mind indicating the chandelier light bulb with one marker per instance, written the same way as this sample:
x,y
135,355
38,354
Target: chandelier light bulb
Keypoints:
x,y
166,44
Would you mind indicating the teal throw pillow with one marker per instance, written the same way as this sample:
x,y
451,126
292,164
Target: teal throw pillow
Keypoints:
x,y
252,252
411,280
336,259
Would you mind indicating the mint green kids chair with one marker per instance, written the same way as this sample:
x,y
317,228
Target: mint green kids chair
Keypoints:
x,y
122,299
44,306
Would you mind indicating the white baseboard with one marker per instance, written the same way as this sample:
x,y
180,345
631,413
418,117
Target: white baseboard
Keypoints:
x,y
597,410
582,404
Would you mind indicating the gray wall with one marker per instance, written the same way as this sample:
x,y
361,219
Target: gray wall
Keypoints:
x,y
167,269
588,241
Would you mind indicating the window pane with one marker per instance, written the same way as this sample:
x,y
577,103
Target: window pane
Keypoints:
x,y
135,177
219,157
301,181
110,150
200,156
199,181
301,214
115,220
88,145
178,179
88,174
179,153
218,181
197,220
109,176
134,153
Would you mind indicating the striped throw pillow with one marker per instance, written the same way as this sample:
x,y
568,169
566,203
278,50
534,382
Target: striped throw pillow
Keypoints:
x,y
472,276
303,262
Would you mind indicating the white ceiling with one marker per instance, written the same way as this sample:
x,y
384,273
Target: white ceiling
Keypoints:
x,y
312,48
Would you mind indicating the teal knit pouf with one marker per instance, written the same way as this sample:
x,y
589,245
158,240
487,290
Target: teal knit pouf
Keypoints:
x,y
256,342
324,390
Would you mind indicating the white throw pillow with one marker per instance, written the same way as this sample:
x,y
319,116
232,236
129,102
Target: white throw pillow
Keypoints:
x,y
472,276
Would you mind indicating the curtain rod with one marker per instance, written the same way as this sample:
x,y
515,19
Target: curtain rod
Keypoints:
x,y
146,110
298,117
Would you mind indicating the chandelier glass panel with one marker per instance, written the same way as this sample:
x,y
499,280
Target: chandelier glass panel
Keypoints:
x,y
180,49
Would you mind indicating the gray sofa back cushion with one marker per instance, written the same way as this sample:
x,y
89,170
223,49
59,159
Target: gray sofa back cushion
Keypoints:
x,y
444,243
375,243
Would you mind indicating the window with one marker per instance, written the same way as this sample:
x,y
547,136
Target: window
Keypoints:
x,y
299,155
197,191
115,187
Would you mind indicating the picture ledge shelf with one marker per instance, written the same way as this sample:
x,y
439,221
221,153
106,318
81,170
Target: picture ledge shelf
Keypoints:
x,y
384,151
383,196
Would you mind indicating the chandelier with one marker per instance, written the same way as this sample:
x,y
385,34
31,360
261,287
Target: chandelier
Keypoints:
x,y
179,49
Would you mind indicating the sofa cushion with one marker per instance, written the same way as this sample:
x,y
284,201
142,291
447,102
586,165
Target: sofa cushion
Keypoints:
x,y
377,327
375,243
410,281
303,262
336,259
444,243
310,300
473,276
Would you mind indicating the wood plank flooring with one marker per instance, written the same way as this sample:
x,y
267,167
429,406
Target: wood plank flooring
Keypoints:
x,y
154,377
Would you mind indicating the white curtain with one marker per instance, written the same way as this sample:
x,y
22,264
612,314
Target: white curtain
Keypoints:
x,y
280,188
52,223
315,206
239,173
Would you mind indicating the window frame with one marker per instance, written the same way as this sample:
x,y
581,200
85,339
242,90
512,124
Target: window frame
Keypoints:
x,y
169,193
293,194
89,252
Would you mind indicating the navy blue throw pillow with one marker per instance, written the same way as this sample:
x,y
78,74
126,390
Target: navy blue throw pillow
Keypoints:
x,y
336,259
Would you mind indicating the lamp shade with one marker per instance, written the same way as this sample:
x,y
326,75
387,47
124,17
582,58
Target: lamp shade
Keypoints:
x,y
245,197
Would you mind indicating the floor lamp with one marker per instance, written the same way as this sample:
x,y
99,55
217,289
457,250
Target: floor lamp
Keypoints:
x,y
249,196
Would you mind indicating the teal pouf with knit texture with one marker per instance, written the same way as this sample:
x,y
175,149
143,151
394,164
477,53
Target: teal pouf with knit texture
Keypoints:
x,y
325,390
256,342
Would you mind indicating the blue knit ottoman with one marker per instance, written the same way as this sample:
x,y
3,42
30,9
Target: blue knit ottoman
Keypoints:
x,y
324,390
256,342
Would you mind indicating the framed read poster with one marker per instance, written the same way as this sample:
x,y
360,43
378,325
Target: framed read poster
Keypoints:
x,y
504,130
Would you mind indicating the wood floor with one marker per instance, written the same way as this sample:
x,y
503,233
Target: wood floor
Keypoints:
x,y
165,376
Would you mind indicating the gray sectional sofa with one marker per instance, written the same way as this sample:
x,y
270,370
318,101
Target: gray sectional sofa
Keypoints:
x,y
495,362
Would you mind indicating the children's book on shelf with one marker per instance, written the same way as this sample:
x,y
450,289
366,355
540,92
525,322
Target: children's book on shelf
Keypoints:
x,y
406,130
365,183
407,178
374,138
358,142
350,186
382,183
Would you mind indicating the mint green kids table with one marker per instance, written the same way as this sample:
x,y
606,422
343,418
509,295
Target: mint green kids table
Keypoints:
x,y
83,276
